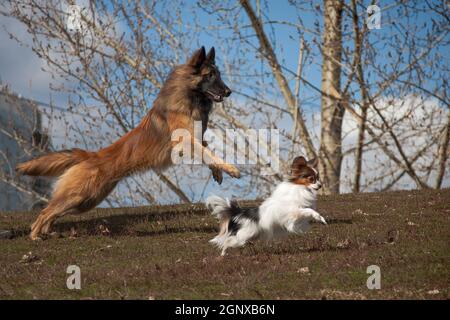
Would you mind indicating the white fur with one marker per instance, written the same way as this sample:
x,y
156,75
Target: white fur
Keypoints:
x,y
217,205
289,209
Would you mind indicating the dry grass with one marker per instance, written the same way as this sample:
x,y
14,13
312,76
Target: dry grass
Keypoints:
x,y
163,253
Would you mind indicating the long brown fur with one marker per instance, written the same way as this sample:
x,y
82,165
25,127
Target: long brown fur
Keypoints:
x,y
86,178
53,164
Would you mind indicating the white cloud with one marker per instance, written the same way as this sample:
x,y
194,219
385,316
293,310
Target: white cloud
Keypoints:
x,y
417,121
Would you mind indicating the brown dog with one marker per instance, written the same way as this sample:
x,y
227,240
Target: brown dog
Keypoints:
x,y
86,178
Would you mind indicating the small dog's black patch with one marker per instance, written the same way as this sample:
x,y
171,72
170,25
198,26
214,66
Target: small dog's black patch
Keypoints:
x,y
237,213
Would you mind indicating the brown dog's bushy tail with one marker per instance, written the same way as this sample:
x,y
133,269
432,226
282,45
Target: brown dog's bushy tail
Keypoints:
x,y
53,164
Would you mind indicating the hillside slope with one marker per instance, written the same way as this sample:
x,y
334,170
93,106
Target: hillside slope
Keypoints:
x,y
163,253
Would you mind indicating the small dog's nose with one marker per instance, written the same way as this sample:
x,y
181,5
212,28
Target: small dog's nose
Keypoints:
x,y
227,92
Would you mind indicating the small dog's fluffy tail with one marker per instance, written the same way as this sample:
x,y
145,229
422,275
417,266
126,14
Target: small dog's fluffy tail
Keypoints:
x,y
53,164
224,210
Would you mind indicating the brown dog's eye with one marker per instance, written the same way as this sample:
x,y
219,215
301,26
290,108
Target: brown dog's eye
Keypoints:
x,y
311,179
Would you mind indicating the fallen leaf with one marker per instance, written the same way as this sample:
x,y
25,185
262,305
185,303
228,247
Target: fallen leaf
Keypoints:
x,y
29,257
433,292
303,270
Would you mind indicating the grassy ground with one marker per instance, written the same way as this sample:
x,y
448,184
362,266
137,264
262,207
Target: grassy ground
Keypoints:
x,y
163,253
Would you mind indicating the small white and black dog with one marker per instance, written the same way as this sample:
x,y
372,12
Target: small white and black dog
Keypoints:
x,y
289,209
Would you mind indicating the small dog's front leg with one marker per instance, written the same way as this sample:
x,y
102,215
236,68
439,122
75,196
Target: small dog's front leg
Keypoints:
x,y
313,215
299,220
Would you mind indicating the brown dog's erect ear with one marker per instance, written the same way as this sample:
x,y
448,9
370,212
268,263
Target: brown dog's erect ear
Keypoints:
x,y
313,162
211,56
298,162
197,58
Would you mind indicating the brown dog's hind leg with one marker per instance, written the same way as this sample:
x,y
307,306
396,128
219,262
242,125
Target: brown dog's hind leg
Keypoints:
x,y
59,207
52,216
54,210
37,225
47,225
78,190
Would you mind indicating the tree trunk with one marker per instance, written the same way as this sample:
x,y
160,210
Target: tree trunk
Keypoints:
x,y
332,110
359,147
443,152
364,105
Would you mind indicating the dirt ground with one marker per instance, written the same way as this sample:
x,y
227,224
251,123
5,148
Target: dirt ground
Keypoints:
x,y
162,252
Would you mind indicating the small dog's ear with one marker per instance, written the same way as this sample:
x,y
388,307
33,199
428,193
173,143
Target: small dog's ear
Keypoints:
x,y
197,58
211,56
313,162
298,162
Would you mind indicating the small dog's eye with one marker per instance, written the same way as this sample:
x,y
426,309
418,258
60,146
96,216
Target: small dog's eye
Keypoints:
x,y
311,179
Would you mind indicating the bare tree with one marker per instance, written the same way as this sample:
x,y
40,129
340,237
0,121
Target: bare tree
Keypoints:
x,y
443,153
268,53
332,109
364,100
117,73
383,120
21,136
358,40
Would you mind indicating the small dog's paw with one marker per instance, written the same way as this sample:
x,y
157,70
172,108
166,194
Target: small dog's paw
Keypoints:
x,y
322,220
317,217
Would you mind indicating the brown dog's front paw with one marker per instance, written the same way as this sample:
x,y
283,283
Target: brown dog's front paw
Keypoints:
x,y
217,174
232,171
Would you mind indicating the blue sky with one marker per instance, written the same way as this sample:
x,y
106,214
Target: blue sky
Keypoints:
x,y
22,69
28,79
285,39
